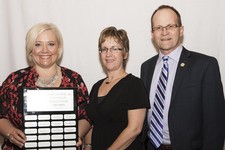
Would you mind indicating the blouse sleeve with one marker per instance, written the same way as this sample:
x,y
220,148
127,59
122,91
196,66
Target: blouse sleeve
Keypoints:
x,y
11,95
137,97
82,98
9,99
4,100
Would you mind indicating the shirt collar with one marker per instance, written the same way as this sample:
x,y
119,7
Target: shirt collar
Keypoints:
x,y
175,55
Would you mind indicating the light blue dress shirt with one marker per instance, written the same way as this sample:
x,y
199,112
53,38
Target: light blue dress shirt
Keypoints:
x,y
174,57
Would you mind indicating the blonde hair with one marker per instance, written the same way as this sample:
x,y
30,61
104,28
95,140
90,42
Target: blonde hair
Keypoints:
x,y
36,30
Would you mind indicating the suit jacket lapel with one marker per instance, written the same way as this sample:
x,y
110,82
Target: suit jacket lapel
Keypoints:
x,y
181,69
150,72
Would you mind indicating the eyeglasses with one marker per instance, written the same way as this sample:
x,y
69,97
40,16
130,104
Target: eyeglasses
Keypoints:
x,y
112,50
169,27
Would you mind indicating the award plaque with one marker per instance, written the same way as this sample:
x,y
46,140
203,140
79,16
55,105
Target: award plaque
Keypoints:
x,y
50,118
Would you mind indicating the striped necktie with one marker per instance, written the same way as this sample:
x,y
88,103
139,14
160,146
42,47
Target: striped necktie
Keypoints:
x,y
156,124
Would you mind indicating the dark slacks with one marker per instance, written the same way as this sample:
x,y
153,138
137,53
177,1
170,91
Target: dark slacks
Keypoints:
x,y
149,146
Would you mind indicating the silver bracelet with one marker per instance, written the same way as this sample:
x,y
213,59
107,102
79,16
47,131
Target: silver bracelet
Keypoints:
x,y
87,145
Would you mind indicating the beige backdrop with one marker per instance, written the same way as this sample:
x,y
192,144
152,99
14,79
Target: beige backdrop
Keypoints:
x,y
81,21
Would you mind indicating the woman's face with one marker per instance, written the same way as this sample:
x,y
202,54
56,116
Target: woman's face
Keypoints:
x,y
112,55
46,50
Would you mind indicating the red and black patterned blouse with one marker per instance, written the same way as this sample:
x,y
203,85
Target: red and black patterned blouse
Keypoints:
x,y
11,95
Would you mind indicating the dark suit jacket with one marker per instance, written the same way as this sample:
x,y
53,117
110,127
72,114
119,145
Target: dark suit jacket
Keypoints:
x,y
197,109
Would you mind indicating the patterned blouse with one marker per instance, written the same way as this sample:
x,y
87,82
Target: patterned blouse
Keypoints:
x,y
11,97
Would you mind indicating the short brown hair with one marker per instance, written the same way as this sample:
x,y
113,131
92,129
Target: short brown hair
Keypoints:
x,y
119,35
167,7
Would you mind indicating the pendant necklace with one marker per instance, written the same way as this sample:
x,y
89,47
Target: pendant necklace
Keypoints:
x,y
108,82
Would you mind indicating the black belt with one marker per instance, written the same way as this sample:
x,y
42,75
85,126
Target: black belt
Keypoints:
x,y
165,147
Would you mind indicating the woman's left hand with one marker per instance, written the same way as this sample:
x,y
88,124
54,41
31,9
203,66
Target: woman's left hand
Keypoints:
x,y
17,137
79,144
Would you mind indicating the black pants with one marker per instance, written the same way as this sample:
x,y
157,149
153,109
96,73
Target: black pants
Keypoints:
x,y
149,146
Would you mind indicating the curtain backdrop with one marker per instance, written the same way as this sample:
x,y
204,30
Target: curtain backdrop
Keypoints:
x,y
81,22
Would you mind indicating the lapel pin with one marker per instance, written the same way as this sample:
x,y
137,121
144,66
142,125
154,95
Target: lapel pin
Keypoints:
x,y
182,64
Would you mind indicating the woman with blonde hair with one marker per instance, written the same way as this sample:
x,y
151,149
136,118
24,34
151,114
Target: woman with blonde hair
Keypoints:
x,y
44,49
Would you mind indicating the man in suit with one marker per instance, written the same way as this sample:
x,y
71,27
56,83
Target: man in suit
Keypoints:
x,y
193,111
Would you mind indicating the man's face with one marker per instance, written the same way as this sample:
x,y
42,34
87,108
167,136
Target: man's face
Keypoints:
x,y
167,34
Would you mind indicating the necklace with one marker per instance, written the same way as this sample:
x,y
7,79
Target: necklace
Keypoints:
x,y
47,82
108,82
